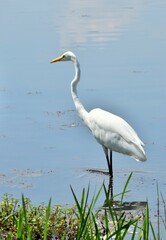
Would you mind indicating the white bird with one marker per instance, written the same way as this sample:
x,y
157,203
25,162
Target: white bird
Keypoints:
x,y
111,131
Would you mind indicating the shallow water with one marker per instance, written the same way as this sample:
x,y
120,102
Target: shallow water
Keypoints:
x,y
44,146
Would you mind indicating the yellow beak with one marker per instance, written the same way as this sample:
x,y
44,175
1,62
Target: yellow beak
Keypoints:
x,y
57,59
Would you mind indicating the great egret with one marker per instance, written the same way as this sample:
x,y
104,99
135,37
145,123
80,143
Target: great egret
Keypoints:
x,y
111,131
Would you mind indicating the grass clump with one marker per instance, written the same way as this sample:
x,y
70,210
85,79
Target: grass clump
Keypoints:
x,y
21,220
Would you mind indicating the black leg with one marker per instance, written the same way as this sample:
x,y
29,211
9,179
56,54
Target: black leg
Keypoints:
x,y
109,161
110,167
110,187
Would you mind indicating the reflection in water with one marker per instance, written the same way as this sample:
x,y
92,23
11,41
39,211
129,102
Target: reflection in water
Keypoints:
x,y
125,212
130,206
130,209
110,184
110,187
96,22
119,210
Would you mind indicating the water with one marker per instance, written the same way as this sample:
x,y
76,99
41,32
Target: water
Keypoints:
x,y
44,146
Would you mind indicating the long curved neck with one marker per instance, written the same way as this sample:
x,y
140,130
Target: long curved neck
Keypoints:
x,y
78,105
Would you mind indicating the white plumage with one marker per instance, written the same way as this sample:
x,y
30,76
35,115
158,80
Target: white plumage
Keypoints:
x,y
111,131
115,134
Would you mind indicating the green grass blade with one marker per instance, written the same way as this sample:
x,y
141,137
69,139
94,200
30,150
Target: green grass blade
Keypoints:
x,y
81,207
164,207
48,210
85,212
19,223
24,212
95,197
108,203
76,201
153,232
106,220
118,233
28,227
125,187
146,223
158,212
134,230
97,230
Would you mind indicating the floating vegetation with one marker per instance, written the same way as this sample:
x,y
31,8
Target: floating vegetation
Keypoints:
x,y
69,121
61,113
21,177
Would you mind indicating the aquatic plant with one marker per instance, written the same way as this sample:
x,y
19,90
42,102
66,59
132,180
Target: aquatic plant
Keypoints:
x,y
19,219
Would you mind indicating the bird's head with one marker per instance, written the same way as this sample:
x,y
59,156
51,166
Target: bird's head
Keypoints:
x,y
67,56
